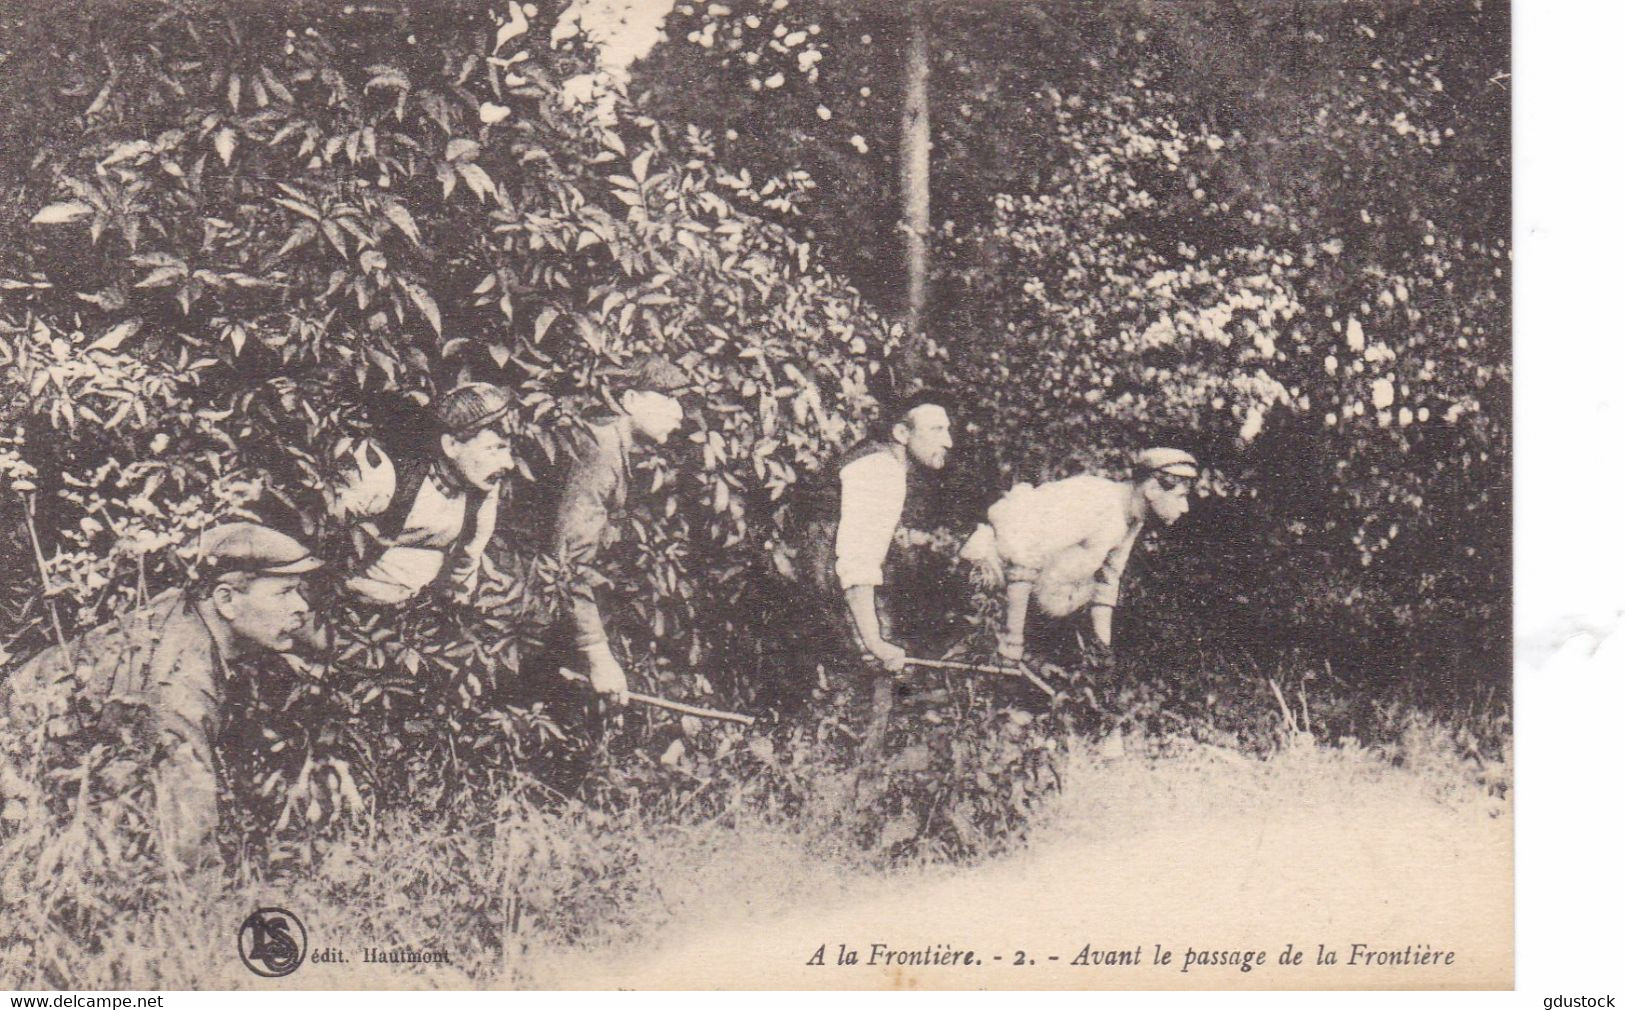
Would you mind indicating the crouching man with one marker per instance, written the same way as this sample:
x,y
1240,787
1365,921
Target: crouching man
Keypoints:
x,y
1067,542
428,517
854,509
169,660
595,496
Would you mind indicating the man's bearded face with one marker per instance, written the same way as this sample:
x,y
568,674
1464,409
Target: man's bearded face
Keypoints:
x,y
927,435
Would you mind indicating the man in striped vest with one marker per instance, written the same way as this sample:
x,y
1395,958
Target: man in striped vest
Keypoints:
x,y
426,519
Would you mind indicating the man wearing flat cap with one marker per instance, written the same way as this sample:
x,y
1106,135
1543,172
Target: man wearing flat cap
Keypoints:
x,y
426,519
169,660
595,493
1067,542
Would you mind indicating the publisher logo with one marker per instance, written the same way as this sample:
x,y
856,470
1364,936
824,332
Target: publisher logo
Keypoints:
x,y
271,942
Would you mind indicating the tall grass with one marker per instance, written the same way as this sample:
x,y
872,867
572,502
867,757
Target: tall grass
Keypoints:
x,y
728,827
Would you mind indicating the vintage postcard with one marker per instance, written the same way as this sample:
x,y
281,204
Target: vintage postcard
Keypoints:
x,y
787,494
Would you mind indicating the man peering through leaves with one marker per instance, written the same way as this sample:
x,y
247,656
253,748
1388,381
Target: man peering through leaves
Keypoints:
x,y
426,519
595,496
853,514
169,661
1067,542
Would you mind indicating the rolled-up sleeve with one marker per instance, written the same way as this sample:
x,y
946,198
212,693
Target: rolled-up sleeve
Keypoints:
x,y
872,491
583,514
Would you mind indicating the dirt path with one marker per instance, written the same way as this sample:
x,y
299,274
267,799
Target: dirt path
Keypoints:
x,y
1204,854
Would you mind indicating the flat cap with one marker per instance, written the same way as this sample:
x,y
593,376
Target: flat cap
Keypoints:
x,y
1173,462
652,372
250,547
472,406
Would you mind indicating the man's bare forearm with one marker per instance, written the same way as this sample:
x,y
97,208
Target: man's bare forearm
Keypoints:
x,y
1015,618
860,600
1100,617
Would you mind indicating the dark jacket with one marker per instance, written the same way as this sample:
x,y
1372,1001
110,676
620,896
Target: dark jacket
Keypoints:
x,y
595,489
160,658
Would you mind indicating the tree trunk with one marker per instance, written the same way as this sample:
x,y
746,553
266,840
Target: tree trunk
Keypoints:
x,y
915,165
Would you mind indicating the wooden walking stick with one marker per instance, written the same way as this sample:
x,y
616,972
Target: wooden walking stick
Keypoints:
x,y
949,664
674,706
1020,671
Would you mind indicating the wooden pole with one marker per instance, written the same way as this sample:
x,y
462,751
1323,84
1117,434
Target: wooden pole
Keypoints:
x,y
915,178
948,664
673,706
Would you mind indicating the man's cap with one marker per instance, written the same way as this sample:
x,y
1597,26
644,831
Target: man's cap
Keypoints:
x,y
472,406
1173,462
653,373
250,547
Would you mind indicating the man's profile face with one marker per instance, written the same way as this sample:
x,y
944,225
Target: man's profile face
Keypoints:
x,y
267,611
654,415
926,435
1169,497
482,459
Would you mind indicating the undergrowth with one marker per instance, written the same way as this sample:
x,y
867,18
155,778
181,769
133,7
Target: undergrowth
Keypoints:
x,y
665,817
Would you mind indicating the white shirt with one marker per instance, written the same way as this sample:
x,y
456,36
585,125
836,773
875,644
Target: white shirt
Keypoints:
x,y
1072,537
872,492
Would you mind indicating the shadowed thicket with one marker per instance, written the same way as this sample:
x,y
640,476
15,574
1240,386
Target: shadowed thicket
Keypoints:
x,y
255,238
1276,235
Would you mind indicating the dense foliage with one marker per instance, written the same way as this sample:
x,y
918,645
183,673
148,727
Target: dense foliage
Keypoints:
x,y
1276,237
254,239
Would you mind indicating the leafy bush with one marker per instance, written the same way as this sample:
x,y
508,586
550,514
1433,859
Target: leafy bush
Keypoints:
x,y
1278,237
264,228
1306,285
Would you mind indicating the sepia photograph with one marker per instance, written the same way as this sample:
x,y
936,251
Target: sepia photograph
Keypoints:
x,y
758,494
